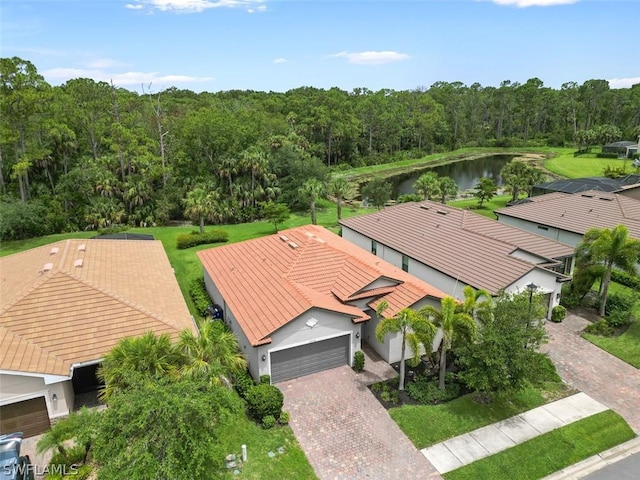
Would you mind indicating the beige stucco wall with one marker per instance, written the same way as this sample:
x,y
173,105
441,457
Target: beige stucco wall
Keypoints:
x,y
17,388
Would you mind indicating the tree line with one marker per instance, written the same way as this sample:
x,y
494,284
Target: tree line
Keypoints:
x,y
88,154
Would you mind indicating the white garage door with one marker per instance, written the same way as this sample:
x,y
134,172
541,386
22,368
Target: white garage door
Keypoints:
x,y
310,358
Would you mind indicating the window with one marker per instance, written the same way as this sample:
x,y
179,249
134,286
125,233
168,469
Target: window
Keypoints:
x,y
540,227
405,263
374,247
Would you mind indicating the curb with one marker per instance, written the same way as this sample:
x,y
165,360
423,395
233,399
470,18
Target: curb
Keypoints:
x,y
596,462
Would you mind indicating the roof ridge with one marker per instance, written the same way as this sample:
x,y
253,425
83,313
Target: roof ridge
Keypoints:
x,y
45,276
123,300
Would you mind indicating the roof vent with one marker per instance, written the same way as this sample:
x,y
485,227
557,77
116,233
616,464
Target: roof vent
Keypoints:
x,y
441,212
54,250
47,267
309,234
284,238
312,322
606,199
78,262
425,207
587,196
293,245
82,247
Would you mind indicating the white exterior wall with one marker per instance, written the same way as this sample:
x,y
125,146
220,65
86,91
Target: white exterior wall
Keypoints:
x,y
297,333
250,352
568,238
17,388
546,283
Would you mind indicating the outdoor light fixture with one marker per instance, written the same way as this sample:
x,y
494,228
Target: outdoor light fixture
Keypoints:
x,y
357,334
54,397
264,357
532,288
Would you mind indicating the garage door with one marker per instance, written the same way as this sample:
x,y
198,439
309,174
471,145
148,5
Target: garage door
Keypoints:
x,y
311,358
29,417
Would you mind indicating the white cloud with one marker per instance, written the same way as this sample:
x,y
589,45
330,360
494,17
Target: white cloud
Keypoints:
x,y
372,58
119,79
534,3
280,60
103,63
197,6
623,82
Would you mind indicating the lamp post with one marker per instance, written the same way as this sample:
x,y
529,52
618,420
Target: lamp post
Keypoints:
x,y
532,288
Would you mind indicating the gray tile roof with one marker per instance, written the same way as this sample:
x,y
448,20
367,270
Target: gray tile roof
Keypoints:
x,y
473,249
579,212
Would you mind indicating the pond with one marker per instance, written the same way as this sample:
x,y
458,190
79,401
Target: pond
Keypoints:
x,y
465,173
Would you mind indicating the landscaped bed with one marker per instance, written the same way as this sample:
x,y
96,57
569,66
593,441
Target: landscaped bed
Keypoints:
x,y
552,451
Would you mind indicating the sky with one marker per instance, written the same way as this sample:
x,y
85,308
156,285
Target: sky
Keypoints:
x,y
278,45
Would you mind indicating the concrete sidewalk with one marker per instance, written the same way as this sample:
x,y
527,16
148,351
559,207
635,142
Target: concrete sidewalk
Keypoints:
x,y
469,447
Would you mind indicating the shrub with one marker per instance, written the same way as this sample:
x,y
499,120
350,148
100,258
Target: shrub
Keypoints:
x,y
358,361
623,278
619,302
243,383
558,313
192,239
389,395
20,220
543,370
601,328
376,387
199,295
607,155
264,400
268,421
618,318
570,301
426,391
265,379
284,418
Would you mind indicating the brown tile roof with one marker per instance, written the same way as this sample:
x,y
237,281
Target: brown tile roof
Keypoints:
x,y
269,281
55,312
463,245
580,211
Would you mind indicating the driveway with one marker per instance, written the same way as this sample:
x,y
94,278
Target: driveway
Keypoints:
x,y
600,375
346,433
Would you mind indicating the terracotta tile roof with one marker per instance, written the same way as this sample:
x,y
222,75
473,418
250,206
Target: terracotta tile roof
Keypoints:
x,y
580,211
463,245
71,301
269,281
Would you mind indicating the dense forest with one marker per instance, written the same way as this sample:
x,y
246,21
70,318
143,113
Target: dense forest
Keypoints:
x,y
88,155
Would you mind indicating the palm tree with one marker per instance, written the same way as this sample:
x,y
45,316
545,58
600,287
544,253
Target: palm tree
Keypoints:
x,y
455,326
448,188
611,248
200,205
341,188
427,185
78,426
313,189
214,354
477,304
415,328
134,358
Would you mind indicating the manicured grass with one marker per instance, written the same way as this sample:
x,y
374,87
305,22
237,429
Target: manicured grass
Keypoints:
x,y
626,346
499,201
552,451
566,165
426,425
292,464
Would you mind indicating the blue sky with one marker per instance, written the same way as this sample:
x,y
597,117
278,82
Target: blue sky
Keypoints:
x,y
213,45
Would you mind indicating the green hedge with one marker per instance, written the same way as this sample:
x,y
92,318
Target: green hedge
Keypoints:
x,y
199,295
623,278
607,155
192,239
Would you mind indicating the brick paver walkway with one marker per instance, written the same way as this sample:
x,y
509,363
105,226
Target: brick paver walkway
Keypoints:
x,y
600,375
346,433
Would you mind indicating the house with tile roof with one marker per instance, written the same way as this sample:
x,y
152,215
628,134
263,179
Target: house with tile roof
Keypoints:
x,y
451,248
63,306
302,300
567,217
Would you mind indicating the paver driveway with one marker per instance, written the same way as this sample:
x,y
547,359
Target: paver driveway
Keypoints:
x,y
590,369
346,433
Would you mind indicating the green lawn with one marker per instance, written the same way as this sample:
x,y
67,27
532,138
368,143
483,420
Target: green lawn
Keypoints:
x,y
426,425
566,165
626,346
550,452
292,464
499,201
